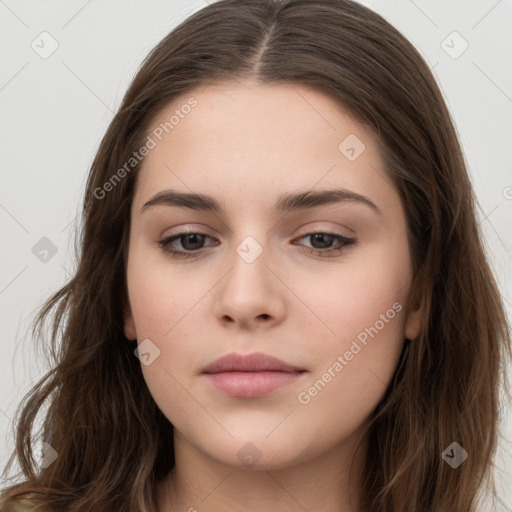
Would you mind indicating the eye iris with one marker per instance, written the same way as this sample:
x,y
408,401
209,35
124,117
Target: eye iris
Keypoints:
x,y
319,236
194,236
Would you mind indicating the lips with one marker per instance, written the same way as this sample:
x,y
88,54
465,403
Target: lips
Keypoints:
x,y
250,376
255,362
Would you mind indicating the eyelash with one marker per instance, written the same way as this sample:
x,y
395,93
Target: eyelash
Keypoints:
x,y
346,243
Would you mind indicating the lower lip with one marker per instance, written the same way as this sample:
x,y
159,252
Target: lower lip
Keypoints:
x,y
251,384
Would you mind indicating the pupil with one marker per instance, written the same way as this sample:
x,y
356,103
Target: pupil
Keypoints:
x,y
319,236
187,238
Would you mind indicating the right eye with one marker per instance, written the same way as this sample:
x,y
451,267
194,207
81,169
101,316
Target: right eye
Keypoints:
x,y
189,241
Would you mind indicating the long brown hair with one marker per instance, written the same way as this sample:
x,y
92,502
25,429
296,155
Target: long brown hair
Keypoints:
x,y
112,441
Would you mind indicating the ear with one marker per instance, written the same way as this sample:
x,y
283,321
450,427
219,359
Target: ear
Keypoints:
x,y
129,325
413,321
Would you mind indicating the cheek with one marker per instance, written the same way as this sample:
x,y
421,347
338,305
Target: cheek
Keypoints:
x,y
352,372
163,295
364,304
167,310
352,295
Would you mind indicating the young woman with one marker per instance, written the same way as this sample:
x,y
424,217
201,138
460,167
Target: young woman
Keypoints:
x,y
282,300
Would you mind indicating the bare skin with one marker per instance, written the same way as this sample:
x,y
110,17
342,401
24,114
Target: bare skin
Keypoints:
x,y
245,145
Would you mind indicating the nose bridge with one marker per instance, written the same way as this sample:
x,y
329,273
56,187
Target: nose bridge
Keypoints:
x,y
250,237
250,260
249,289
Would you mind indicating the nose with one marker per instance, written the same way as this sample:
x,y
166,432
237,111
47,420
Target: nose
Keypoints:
x,y
251,295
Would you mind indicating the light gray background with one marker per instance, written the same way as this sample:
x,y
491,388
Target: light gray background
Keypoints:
x,y
54,112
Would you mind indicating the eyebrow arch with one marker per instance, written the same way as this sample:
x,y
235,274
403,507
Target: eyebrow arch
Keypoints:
x,y
285,203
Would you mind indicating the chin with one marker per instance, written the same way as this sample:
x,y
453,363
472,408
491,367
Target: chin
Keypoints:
x,y
258,453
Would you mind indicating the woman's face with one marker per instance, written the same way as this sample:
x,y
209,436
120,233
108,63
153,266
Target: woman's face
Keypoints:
x,y
321,284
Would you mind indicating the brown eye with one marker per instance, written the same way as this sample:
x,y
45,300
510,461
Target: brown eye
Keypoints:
x,y
189,242
321,243
192,243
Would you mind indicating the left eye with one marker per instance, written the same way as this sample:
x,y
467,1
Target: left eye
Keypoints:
x,y
326,239
193,242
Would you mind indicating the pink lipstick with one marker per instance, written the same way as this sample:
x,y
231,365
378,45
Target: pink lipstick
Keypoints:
x,y
250,376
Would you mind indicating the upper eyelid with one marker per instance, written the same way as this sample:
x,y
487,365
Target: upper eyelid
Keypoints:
x,y
310,231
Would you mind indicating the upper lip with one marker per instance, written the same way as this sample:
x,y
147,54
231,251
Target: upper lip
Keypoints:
x,y
255,362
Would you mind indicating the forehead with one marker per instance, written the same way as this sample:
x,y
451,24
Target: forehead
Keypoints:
x,y
252,139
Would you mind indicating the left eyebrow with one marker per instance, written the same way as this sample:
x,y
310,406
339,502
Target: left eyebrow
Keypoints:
x,y
285,203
